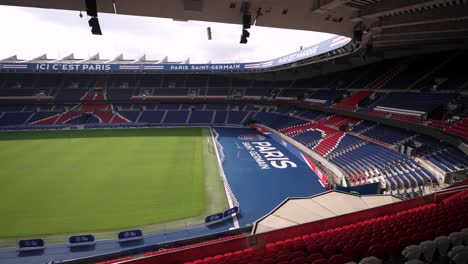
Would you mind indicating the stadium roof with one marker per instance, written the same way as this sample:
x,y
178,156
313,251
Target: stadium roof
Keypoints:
x,y
394,23
94,59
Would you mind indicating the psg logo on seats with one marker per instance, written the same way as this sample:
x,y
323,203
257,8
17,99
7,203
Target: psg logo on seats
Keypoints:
x,y
251,137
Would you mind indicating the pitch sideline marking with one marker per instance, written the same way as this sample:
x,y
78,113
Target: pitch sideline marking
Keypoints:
x,y
234,218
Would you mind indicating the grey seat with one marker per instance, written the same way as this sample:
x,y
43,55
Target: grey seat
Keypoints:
x,y
461,257
428,248
455,250
411,252
456,238
442,244
414,261
370,260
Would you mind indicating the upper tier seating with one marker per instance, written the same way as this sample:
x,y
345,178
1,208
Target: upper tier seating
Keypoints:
x,y
162,106
326,97
350,103
69,95
18,92
424,102
416,68
170,92
450,77
293,93
119,94
367,76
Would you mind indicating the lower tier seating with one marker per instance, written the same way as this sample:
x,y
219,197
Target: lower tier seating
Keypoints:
x,y
383,237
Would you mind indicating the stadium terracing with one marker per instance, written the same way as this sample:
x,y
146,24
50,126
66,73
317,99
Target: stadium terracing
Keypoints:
x,y
384,114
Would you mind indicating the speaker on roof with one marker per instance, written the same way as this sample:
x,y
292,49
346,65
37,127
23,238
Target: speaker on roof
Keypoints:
x,y
245,33
243,40
208,31
244,36
91,8
94,24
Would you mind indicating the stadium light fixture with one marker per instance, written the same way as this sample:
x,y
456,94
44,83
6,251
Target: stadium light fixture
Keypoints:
x,y
244,36
208,31
246,21
91,11
94,24
243,40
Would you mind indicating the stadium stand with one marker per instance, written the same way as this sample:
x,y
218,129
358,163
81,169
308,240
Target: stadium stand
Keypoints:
x,y
389,109
383,232
351,102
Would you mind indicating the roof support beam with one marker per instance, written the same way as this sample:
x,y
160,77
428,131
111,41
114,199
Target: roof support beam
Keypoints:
x,y
417,38
323,6
443,27
390,7
453,13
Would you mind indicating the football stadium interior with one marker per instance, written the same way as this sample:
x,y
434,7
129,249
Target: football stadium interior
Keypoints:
x,y
352,150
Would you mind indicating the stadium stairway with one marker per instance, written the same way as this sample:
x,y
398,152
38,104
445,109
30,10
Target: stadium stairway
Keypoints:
x,y
297,128
329,143
334,119
382,80
350,103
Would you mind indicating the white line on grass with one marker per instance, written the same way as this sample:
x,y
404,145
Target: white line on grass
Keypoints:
x,y
231,205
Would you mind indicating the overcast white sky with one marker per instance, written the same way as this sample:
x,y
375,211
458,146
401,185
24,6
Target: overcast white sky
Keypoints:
x,y
30,32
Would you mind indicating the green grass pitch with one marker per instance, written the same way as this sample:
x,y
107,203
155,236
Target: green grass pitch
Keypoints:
x,y
56,182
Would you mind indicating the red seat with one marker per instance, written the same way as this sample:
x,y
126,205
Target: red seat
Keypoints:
x,y
377,250
339,259
299,260
404,242
322,261
313,248
282,258
363,248
297,254
329,250
392,248
350,251
314,257
268,261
